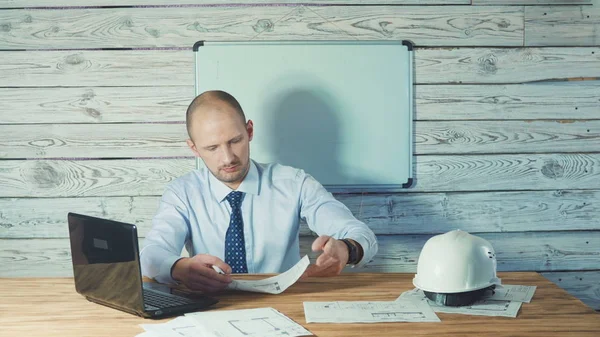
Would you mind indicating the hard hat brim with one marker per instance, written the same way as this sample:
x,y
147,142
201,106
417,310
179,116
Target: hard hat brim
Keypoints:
x,y
457,299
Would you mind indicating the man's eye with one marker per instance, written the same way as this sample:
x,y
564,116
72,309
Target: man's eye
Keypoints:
x,y
212,149
236,141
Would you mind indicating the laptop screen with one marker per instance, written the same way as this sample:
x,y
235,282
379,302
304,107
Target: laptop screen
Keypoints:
x,y
106,261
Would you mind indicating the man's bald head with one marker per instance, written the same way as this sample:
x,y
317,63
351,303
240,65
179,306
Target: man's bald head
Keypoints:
x,y
213,100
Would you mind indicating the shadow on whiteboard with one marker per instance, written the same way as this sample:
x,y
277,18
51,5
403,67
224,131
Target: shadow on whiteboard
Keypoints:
x,y
306,129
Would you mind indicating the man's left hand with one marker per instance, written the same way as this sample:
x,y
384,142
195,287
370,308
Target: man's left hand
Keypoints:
x,y
332,260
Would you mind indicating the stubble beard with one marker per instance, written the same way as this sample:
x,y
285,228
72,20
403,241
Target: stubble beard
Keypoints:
x,y
233,177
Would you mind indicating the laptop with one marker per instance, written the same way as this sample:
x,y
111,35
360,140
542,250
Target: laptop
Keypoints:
x,y
106,266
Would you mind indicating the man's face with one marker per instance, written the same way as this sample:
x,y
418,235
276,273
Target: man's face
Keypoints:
x,y
222,140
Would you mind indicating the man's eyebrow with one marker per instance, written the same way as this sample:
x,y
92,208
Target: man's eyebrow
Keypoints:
x,y
240,136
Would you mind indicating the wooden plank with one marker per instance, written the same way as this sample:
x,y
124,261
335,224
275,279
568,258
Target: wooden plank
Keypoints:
x,y
168,140
584,285
557,100
67,178
52,257
562,26
56,178
144,68
183,26
476,212
507,65
461,137
175,67
523,251
94,104
447,25
93,140
75,3
414,213
506,172
530,2
47,217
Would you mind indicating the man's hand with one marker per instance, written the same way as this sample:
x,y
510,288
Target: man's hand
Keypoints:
x,y
197,273
333,259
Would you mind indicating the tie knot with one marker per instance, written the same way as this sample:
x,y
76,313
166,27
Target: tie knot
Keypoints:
x,y
235,198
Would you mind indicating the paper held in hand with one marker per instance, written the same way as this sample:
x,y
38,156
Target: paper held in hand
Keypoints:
x,y
275,284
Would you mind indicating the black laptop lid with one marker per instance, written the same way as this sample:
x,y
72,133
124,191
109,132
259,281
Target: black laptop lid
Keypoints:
x,y
106,261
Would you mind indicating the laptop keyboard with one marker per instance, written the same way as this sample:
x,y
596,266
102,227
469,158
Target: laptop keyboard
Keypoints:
x,y
157,300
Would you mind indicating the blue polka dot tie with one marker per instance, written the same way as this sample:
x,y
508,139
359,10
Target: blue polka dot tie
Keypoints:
x,y
235,249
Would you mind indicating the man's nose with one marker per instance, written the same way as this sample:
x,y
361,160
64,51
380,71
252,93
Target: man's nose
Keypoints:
x,y
228,156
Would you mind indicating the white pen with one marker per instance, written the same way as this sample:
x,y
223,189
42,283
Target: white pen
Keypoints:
x,y
218,270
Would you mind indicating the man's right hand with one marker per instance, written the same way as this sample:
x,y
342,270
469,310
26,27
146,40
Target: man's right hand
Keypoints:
x,y
197,273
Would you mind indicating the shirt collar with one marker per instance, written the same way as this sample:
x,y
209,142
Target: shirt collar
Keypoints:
x,y
249,185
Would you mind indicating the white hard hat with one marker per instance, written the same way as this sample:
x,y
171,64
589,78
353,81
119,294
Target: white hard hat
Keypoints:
x,y
456,262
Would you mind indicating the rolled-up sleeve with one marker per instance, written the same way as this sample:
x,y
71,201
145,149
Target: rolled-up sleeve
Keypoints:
x,y
326,215
164,242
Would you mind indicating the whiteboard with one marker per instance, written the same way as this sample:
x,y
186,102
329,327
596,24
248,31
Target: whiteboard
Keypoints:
x,y
340,110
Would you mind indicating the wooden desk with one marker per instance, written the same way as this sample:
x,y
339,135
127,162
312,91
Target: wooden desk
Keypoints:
x,y
51,307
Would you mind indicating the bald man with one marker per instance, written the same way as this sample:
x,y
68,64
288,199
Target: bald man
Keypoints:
x,y
243,216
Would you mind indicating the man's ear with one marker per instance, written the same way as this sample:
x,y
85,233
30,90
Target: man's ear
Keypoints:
x,y
192,146
250,129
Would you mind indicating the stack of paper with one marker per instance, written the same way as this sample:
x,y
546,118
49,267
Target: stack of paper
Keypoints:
x,y
261,322
503,301
512,293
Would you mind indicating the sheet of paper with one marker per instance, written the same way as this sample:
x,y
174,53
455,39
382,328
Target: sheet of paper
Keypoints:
x,y
275,284
260,322
484,307
368,312
179,327
515,293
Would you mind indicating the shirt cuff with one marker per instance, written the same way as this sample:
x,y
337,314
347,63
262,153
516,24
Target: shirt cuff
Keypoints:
x,y
164,272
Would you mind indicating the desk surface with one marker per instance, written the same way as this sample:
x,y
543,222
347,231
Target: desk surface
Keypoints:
x,y
51,307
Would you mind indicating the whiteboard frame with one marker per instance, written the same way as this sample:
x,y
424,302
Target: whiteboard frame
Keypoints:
x,y
354,188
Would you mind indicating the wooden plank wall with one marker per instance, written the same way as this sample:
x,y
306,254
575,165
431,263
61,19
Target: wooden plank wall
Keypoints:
x,y
507,123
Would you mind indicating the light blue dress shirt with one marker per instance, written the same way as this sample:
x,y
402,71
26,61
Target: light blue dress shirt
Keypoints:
x,y
193,211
